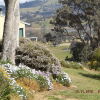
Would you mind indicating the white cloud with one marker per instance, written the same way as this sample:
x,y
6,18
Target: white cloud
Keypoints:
x,y
24,0
1,2
21,1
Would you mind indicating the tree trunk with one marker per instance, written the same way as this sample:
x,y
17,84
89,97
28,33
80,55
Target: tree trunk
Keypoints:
x,y
98,37
11,30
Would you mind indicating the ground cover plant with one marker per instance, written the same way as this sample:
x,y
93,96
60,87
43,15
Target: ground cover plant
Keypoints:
x,y
8,86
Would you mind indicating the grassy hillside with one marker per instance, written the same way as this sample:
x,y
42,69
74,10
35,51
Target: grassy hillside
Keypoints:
x,y
38,6
85,83
60,52
32,9
41,10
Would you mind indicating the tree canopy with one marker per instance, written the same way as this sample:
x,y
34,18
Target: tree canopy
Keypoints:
x,y
83,16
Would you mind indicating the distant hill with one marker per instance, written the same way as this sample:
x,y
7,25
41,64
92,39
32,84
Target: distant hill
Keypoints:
x,y
38,13
31,4
36,10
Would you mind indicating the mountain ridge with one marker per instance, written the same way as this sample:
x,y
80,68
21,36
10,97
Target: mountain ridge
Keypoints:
x,y
37,10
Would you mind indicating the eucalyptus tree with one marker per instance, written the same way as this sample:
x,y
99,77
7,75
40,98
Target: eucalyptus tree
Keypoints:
x,y
83,16
11,30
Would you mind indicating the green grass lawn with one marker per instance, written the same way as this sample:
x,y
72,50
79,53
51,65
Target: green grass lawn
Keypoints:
x,y
60,52
82,81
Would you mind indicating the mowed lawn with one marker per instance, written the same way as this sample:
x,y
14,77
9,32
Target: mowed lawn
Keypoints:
x,y
61,52
85,83
85,86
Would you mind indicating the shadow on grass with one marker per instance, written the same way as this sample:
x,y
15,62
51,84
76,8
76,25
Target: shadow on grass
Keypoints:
x,y
97,77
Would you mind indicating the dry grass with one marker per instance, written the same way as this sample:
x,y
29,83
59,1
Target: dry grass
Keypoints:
x,y
2,70
28,84
14,97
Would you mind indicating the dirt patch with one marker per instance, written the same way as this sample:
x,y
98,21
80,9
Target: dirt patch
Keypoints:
x,y
58,86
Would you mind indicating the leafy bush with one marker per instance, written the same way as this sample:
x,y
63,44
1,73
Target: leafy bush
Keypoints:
x,y
76,48
94,65
74,65
86,53
95,62
5,88
96,54
43,83
12,88
37,56
64,79
80,51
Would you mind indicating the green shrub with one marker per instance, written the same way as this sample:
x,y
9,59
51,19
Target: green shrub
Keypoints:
x,y
73,65
76,48
4,62
94,65
42,82
96,54
5,88
8,86
86,53
95,62
64,79
80,51
36,56
21,73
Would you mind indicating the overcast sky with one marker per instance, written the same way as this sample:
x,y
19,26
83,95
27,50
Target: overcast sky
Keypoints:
x,y
1,1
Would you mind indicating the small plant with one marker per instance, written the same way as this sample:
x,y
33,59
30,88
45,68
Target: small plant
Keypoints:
x,y
43,83
96,54
5,88
5,62
21,73
64,79
8,85
94,65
